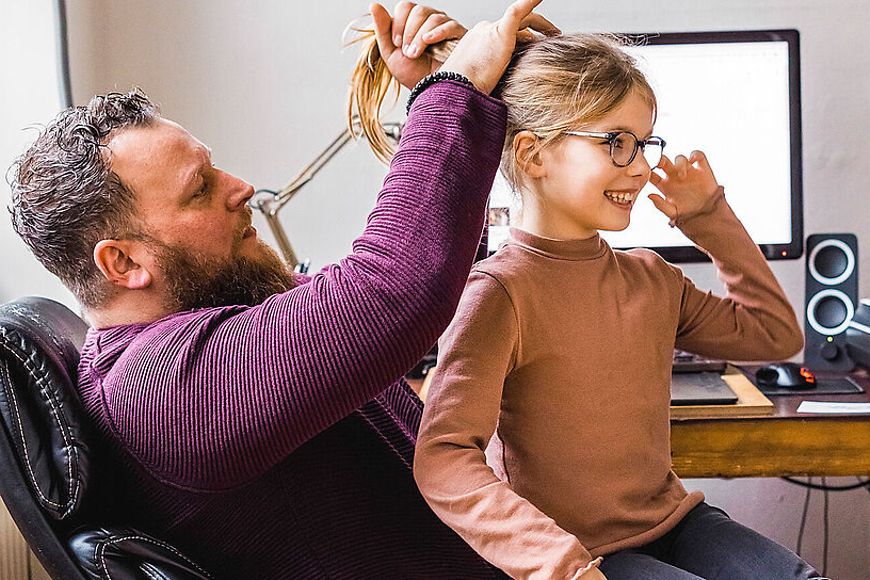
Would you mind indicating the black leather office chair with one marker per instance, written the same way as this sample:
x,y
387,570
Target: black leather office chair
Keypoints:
x,y
50,462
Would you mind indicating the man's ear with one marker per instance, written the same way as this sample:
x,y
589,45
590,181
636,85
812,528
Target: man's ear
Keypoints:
x,y
115,260
528,158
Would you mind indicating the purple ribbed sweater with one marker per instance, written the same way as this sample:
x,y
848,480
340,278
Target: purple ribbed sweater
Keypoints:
x,y
274,441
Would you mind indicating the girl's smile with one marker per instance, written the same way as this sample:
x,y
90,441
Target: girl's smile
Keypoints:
x,y
622,199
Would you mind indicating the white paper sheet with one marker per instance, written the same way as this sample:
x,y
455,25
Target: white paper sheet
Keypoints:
x,y
833,408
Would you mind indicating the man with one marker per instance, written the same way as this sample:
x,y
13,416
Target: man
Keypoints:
x,y
253,415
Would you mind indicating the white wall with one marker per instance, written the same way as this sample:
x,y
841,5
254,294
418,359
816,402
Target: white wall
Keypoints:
x,y
30,94
264,85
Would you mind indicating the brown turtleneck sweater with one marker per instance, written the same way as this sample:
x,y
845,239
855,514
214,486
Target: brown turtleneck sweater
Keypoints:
x,y
563,349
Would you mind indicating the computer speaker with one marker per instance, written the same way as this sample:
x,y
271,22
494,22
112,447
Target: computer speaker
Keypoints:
x,y
831,298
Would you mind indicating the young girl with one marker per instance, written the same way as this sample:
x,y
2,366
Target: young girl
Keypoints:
x,y
545,438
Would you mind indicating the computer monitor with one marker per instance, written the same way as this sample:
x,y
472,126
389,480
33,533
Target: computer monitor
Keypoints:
x,y
735,96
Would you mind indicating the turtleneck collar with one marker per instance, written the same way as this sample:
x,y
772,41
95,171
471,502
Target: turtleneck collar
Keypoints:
x,y
588,249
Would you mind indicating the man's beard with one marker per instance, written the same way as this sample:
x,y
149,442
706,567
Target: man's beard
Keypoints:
x,y
196,281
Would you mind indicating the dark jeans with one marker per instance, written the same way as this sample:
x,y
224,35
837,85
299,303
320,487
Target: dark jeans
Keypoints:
x,y
708,544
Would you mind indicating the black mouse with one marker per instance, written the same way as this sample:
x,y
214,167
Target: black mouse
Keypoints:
x,y
786,375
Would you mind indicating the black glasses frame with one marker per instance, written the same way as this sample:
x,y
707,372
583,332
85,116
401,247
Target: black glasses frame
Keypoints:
x,y
611,137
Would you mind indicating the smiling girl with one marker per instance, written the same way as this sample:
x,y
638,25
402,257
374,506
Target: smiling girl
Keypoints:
x,y
545,437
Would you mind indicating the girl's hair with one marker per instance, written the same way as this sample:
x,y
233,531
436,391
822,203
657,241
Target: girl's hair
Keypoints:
x,y
564,83
552,85
369,85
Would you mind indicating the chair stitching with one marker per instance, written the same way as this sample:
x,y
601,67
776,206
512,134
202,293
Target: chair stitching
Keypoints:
x,y
99,556
24,441
74,484
102,551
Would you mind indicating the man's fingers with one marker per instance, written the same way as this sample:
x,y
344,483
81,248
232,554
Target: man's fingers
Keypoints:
x,y
381,19
400,16
416,18
446,31
525,36
515,14
655,178
539,24
433,21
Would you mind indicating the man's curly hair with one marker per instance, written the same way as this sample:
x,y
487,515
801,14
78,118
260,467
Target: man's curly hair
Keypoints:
x,y
65,196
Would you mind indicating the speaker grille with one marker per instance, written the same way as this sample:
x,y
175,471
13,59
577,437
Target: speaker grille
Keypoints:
x,y
831,262
830,311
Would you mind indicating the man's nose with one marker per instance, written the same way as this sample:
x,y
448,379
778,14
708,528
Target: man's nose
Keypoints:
x,y
240,191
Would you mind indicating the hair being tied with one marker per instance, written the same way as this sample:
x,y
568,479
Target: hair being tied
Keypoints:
x,y
552,84
370,83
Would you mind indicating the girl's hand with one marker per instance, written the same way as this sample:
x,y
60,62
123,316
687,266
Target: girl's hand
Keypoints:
x,y
593,574
402,39
484,53
688,185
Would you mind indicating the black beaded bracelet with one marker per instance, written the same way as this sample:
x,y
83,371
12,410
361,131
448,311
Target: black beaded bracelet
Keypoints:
x,y
441,75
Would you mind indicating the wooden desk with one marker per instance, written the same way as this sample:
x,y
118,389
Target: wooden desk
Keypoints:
x,y
784,443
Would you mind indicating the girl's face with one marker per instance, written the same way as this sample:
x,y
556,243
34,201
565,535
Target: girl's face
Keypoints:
x,y
580,186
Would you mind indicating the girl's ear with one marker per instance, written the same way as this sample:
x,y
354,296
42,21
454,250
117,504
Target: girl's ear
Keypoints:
x,y
115,259
527,155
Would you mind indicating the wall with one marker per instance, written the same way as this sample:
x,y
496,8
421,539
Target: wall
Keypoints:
x,y
264,85
30,95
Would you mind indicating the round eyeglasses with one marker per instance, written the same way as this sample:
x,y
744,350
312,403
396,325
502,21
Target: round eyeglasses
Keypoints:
x,y
624,146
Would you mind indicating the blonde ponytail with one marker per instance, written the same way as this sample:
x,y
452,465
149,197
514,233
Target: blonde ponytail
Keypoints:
x,y
370,83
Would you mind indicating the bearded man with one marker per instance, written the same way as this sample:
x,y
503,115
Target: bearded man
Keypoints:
x,y
256,418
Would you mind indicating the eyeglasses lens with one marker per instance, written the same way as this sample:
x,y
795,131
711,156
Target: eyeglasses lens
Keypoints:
x,y
653,153
622,149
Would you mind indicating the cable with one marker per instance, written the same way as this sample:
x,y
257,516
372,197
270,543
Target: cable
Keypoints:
x,y
809,486
825,548
860,484
800,539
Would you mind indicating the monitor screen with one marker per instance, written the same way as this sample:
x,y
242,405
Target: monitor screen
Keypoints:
x,y
735,96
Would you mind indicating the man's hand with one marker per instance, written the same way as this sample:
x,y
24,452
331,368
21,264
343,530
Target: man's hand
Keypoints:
x,y
484,53
688,185
403,38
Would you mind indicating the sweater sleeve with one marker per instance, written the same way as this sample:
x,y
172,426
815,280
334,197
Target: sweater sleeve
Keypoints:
x,y
755,320
459,418
211,399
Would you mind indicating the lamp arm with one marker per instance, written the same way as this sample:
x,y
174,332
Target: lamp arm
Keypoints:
x,y
269,203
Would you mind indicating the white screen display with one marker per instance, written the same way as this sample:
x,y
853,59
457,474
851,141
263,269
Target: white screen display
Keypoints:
x,y
730,100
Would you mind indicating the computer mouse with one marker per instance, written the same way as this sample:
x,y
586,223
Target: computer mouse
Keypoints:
x,y
786,375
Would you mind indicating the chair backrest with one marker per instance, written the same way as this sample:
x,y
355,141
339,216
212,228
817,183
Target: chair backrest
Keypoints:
x,y
48,453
